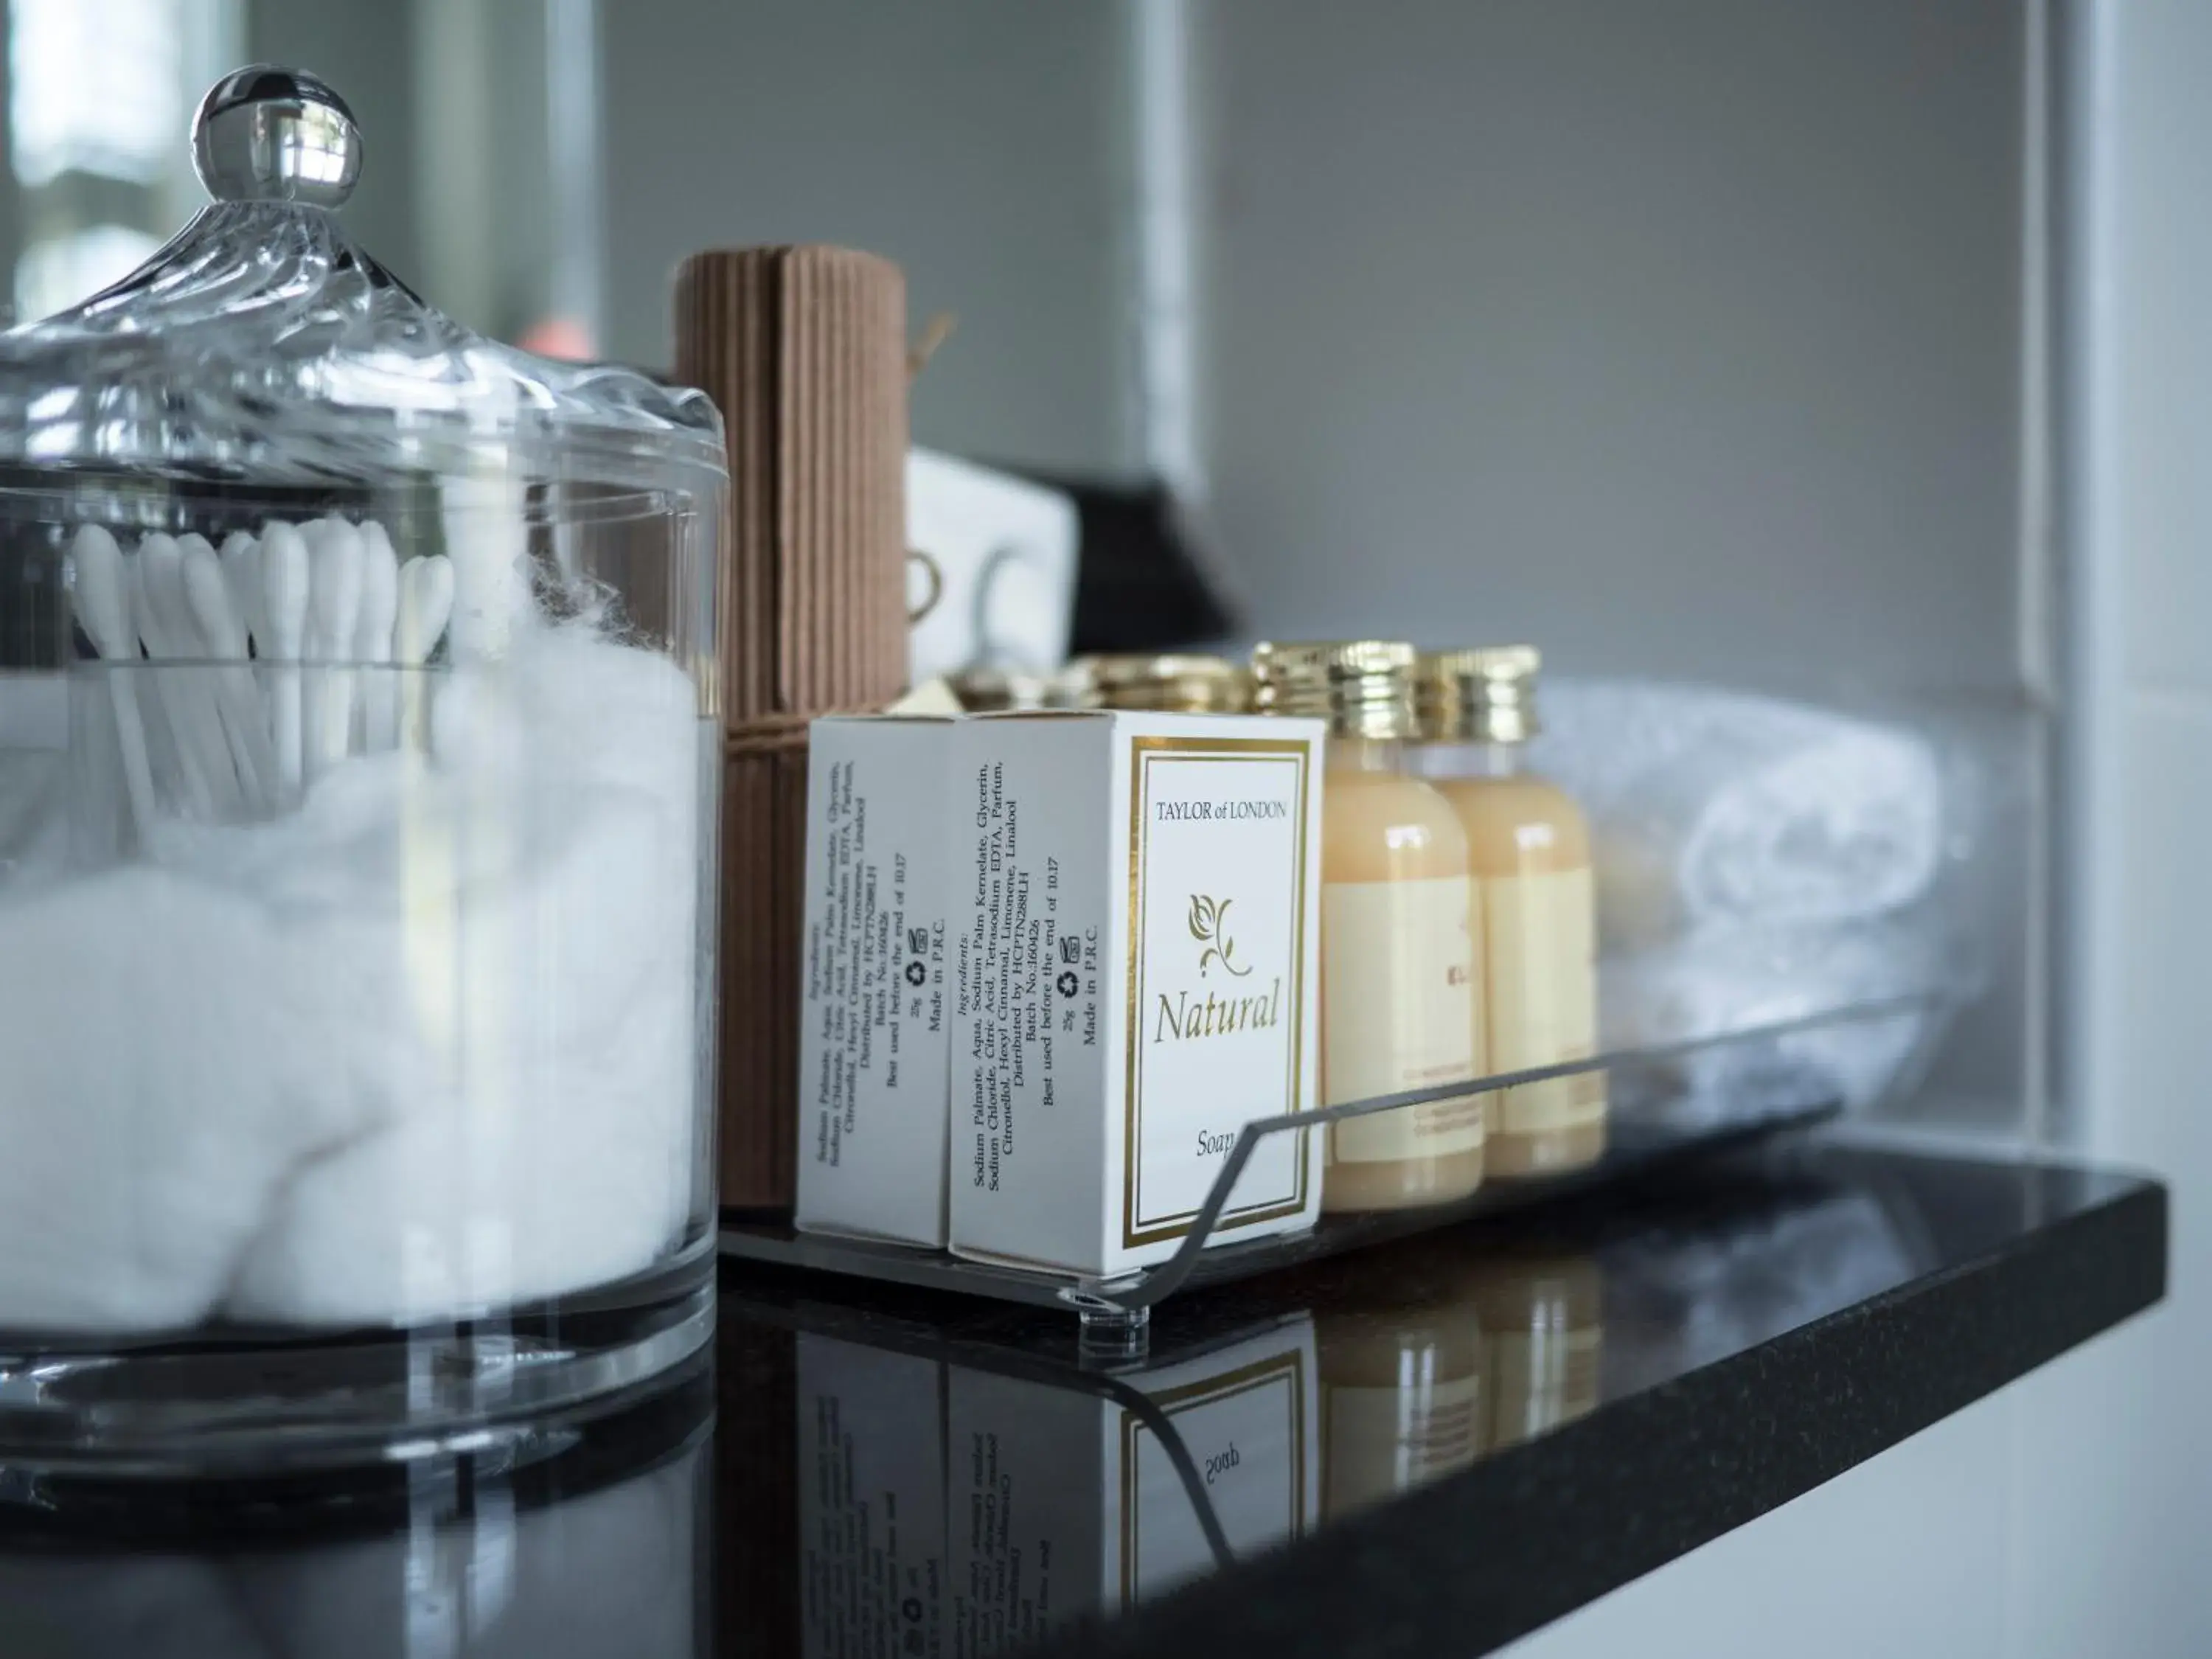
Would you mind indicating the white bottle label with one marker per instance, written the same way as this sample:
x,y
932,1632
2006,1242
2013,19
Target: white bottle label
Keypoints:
x,y
1398,993
1541,983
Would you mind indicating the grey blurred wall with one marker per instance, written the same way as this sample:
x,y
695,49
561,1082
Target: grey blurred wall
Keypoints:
x,y
979,144
1680,335
449,96
484,189
367,52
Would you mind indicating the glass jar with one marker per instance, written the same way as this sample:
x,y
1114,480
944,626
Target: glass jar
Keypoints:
x,y
1180,683
1528,851
358,813
1400,1004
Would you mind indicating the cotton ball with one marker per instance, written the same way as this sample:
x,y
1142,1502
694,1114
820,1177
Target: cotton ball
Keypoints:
x,y
152,1108
550,1149
574,1173
479,728
34,824
609,714
424,1047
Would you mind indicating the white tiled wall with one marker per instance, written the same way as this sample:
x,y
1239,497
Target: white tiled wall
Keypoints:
x,y
2137,277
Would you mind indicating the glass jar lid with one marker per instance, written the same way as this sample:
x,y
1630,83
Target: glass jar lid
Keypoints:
x,y
263,344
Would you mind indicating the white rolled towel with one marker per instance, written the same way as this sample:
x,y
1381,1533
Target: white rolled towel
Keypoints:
x,y
1759,978
1714,809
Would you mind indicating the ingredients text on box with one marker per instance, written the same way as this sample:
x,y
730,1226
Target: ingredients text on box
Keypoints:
x,y
875,964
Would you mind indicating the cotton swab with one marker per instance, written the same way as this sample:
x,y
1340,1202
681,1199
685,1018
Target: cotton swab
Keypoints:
x,y
211,692
241,575
373,637
334,591
103,608
163,757
328,594
284,612
203,762
426,606
192,688
207,594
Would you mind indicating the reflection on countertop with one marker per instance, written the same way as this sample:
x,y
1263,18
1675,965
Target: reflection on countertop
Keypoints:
x,y
1271,1411
870,1471
583,1541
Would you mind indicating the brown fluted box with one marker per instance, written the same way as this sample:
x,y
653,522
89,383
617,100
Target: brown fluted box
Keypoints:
x,y
804,348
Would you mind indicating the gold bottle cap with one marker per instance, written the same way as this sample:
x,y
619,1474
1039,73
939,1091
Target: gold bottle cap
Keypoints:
x,y
1362,688
992,690
1484,694
1186,685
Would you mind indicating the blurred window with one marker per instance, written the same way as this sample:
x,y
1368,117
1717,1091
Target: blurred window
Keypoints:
x,y
95,86
99,98
56,271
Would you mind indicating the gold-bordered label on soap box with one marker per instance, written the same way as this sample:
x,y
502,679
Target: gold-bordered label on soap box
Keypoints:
x,y
1216,986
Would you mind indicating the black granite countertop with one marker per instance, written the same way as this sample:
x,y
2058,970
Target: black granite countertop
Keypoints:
x,y
1434,1446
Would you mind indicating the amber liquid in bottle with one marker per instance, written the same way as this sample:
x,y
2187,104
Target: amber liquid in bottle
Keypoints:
x,y
1399,966
1529,853
1528,848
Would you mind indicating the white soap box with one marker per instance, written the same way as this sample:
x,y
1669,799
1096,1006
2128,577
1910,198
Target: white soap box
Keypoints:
x,y
1135,933
876,991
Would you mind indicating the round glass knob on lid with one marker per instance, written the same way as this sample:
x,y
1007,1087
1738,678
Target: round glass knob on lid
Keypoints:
x,y
264,134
